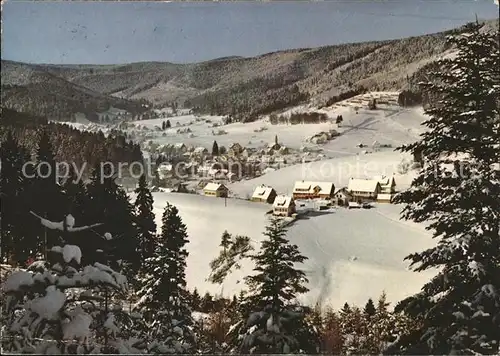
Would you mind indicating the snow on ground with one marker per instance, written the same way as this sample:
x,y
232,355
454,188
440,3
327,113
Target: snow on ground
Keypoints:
x,y
336,170
389,124
348,260
353,254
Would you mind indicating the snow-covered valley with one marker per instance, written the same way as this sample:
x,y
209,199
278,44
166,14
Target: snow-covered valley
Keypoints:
x,y
352,254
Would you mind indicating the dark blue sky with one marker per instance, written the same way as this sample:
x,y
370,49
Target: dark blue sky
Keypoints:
x,y
123,32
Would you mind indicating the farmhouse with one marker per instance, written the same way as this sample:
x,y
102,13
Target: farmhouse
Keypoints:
x,y
264,194
235,149
387,184
313,190
215,190
180,147
200,151
363,189
342,197
283,206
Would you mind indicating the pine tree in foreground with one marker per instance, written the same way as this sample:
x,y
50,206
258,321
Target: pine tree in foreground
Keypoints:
x,y
164,300
108,202
58,307
145,219
276,323
14,245
458,192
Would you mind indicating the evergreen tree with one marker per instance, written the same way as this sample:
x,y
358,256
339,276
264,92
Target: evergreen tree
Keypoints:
x,y
195,300
207,303
457,194
380,329
11,187
369,310
75,194
168,124
51,309
353,328
226,240
332,339
163,126
215,149
145,218
109,203
43,188
163,295
277,323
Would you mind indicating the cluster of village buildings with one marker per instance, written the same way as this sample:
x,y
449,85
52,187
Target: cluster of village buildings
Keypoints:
x,y
227,165
379,189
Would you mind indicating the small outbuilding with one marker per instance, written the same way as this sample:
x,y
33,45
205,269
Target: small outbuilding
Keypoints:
x,y
216,190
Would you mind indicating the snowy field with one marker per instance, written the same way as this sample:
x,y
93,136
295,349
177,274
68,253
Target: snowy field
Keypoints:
x,y
353,254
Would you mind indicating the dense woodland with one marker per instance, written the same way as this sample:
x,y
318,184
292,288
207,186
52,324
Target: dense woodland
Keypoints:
x,y
98,275
85,149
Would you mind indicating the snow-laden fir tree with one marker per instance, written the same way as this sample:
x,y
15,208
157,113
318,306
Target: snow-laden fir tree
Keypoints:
x,y
145,219
275,322
57,307
380,328
458,194
44,187
108,202
353,327
164,299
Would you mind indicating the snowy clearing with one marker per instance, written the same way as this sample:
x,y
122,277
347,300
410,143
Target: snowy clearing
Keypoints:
x,y
348,261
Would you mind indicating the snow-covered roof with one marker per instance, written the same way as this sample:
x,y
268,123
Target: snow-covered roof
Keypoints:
x,y
306,186
179,145
362,185
200,149
282,201
342,191
213,172
385,181
165,166
262,192
214,186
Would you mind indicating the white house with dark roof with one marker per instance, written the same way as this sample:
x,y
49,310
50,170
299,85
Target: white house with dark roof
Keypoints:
x,y
264,194
283,206
313,190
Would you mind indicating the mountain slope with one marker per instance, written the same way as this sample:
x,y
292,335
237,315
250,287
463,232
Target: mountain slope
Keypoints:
x,y
31,89
242,87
